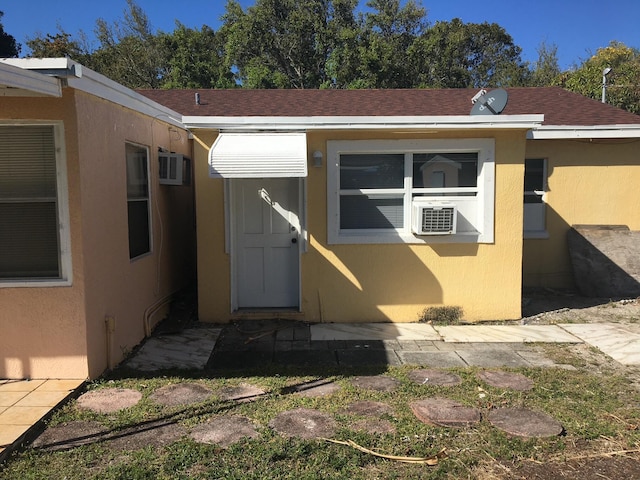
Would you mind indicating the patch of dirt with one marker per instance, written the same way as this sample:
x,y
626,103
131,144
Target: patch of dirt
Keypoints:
x,y
373,426
304,423
109,400
434,377
367,408
225,430
157,433
525,423
242,393
379,383
313,389
500,379
69,435
181,394
542,307
444,412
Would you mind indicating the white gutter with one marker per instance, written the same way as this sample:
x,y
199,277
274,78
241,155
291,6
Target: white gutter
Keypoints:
x,y
86,80
365,122
15,81
559,132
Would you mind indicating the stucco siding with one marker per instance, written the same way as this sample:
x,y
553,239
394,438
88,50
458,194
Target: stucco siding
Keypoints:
x,y
589,182
379,283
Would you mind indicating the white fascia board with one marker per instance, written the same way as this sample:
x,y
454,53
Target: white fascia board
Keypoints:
x,y
86,80
560,132
26,82
365,122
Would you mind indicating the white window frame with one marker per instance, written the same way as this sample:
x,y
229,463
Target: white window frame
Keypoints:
x,y
148,200
62,200
537,233
485,189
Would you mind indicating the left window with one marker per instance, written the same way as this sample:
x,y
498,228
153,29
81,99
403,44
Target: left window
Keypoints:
x,y
138,200
34,233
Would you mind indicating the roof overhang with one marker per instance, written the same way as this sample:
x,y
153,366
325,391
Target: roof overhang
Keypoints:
x,y
559,132
259,155
84,79
17,82
519,122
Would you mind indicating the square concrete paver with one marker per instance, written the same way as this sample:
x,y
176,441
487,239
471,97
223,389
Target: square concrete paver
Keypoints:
x,y
431,359
357,358
42,399
8,399
617,341
373,331
492,358
22,415
506,333
20,385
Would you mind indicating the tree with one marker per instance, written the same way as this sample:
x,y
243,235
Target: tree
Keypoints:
x,y
129,52
388,33
56,45
546,69
284,43
623,83
458,55
195,59
8,46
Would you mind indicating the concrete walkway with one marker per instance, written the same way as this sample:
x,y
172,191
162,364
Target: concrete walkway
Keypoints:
x,y
256,344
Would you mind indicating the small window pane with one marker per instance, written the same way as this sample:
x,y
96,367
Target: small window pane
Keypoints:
x,y
138,200
138,228
358,171
445,170
371,212
533,175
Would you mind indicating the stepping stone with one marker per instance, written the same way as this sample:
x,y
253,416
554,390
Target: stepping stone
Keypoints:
x,y
157,433
314,389
368,408
243,393
304,423
181,394
522,422
444,412
109,400
379,383
500,379
69,435
225,430
374,426
434,377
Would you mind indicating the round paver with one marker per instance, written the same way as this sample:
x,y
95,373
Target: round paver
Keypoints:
x,y
318,388
522,422
157,433
434,377
180,394
225,430
242,393
70,435
304,423
444,412
368,408
374,426
109,400
500,379
380,383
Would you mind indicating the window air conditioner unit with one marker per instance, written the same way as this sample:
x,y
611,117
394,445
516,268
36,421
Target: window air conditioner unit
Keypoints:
x,y
175,169
431,217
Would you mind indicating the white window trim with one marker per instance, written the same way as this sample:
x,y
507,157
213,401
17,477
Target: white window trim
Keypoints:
x,y
485,188
64,234
543,233
149,200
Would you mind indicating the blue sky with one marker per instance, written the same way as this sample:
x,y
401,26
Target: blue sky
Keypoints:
x,y
577,27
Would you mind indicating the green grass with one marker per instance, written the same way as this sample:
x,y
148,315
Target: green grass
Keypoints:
x,y
589,407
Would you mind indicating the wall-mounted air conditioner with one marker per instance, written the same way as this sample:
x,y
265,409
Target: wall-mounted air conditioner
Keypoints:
x,y
175,169
430,217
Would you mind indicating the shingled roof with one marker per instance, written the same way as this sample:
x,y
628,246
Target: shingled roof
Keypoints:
x,y
559,106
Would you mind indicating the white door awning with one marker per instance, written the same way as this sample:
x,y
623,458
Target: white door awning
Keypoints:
x,y
259,155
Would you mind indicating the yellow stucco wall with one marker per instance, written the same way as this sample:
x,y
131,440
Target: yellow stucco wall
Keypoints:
x,y
589,182
365,283
59,332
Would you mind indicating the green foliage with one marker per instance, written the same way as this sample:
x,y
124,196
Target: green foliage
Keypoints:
x,y
546,69
60,44
8,46
623,83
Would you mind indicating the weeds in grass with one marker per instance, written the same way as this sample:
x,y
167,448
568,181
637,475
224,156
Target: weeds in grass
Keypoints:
x,y
445,315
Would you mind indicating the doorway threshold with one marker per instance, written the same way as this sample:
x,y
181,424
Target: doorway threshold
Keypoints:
x,y
267,314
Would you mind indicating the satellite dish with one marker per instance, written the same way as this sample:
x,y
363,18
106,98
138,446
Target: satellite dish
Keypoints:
x,y
491,103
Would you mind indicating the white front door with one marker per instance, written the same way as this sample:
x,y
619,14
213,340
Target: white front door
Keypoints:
x,y
266,242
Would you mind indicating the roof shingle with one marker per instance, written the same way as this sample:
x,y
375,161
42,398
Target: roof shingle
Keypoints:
x,y
559,106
